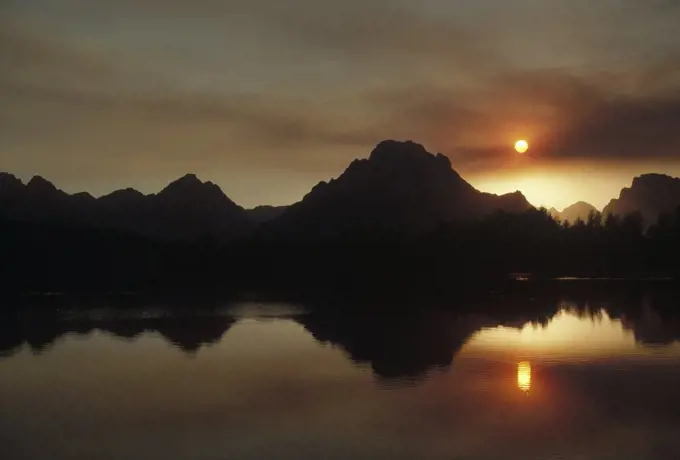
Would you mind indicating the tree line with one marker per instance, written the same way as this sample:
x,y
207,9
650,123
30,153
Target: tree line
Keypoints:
x,y
456,254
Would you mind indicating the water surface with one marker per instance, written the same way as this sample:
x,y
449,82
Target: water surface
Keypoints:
x,y
576,380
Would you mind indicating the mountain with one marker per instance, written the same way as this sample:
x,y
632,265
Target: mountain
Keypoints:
x,y
186,209
400,188
40,201
261,214
189,208
650,194
577,211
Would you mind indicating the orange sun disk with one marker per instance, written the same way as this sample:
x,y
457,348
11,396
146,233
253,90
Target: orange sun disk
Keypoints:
x,y
521,146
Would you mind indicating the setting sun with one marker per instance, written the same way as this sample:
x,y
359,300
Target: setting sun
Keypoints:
x,y
521,146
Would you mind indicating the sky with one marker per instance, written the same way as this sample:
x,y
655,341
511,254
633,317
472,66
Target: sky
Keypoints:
x,y
268,97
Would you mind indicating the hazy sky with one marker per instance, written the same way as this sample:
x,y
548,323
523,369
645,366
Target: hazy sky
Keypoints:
x,y
268,97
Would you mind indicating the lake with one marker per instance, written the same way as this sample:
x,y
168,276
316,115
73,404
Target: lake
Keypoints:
x,y
582,376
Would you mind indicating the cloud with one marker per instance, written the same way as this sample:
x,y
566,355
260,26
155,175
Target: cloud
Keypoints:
x,y
307,85
53,84
614,116
622,129
622,117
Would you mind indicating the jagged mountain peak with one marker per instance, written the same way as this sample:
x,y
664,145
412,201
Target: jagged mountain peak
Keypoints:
x,y
190,184
9,182
577,211
653,179
187,208
124,193
400,187
650,194
400,166
186,182
5,176
516,193
407,153
40,184
84,196
580,204
393,149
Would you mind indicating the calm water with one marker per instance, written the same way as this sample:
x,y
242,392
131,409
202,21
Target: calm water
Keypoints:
x,y
574,380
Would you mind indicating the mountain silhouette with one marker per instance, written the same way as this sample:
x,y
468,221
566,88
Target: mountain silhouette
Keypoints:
x,y
261,214
190,208
402,216
400,188
186,209
650,194
40,201
577,211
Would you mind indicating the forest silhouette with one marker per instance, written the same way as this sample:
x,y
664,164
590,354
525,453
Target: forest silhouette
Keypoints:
x,y
39,257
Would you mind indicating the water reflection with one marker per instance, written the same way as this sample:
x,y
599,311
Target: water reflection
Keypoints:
x,y
580,334
365,383
189,331
524,376
402,345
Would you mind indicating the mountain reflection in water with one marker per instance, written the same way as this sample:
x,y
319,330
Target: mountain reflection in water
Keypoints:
x,y
568,377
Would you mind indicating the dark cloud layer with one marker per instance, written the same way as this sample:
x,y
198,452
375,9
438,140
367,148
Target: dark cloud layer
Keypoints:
x,y
600,118
623,128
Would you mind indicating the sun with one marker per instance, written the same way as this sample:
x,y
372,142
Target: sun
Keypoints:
x,y
521,146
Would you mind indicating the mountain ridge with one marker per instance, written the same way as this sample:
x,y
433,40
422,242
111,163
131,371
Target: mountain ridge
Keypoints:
x,y
575,212
187,208
400,187
650,194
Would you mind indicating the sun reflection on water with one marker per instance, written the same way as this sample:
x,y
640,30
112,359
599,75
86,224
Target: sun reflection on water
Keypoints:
x,y
524,376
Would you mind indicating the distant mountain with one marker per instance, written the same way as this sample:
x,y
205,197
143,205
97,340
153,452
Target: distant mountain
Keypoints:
x,y
650,194
400,188
187,208
577,211
261,214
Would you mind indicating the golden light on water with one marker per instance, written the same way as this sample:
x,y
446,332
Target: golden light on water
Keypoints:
x,y
524,376
521,146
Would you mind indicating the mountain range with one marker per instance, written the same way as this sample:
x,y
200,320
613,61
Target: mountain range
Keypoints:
x,y
650,194
577,211
400,188
186,209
